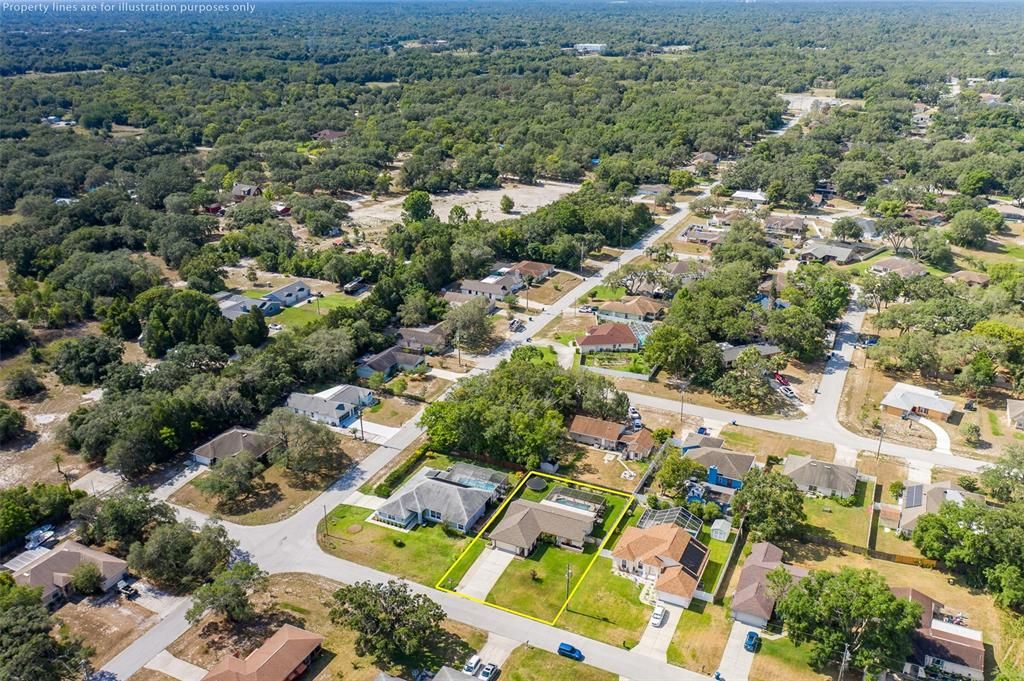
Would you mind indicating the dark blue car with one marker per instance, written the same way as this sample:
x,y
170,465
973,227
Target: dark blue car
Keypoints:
x,y
752,643
572,652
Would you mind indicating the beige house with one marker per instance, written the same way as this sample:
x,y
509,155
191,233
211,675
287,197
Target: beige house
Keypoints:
x,y
53,571
525,521
666,556
905,398
608,337
631,308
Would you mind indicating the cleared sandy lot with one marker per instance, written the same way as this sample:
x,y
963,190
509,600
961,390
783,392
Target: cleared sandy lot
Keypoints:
x,y
527,198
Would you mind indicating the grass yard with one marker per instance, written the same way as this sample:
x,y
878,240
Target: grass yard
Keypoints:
x,y
422,555
601,294
527,663
108,628
763,444
279,495
548,356
565,329
718,557
780,659
459,570
298,316
830,519
700,637
607,608
304,600
518,590
890,542
427,388
886,470
619,361
392,411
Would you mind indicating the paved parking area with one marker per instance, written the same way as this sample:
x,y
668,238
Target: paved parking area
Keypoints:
x,y
155,600
497,649
736,661
484,573
172,666
655,640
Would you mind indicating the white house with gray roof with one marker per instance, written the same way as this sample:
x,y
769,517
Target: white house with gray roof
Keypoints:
x,y
456,498
335,406
290,294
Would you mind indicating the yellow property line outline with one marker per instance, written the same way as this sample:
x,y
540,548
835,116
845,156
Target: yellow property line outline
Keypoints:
x,y
498,512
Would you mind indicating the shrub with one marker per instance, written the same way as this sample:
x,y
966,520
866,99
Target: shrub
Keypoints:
x,y
971,433
86,579
12,423
23,383
398,542
969,483
896,489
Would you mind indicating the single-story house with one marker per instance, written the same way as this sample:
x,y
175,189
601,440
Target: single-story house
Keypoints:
x,y
458,501
823,477
531,268
638,445
792,226
920,499
904,398
426,339
595,432
334,406
724,468
328,135
705,157
456,299
283,657
290,294
447,673
525,521
231,442
816,200
666,556
925,217
1015,413
631,308
838,252
971,279
705,236
233,305
752,603
608,337
727,218
956,650
684,269
494,287
695,440
388,362
720,529
53,571
240,192
901,266
756,197
731,352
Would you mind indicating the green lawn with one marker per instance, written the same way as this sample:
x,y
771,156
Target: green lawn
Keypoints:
x,y
994,423
718,557
542,597
780,659
300,315
849,524
603,293
548,355
460,569
527,663
700,637
618,361
607,607
566,337
734,439
422,555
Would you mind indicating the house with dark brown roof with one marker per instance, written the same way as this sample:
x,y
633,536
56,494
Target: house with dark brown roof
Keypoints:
x,y
955,651
53,571
752,604
240,192
595,432
328,135
666,556
608,337
531,268
283,657
388,362
791,226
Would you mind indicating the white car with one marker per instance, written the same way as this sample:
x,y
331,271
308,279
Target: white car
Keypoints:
x,y
275,327
472,664
659,615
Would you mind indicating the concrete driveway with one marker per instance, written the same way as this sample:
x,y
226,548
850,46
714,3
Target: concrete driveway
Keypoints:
x,y
168,664
484,573
497,649
736,661
655,640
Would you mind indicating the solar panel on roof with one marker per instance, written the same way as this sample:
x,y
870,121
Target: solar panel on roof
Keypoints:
x,y
914,496
693,558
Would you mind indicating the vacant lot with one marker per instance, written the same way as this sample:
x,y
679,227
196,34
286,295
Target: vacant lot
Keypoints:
x,y
423,554
780,659
106,628
392,411
592,467
607,608
567,327
553,288
700,636
763,444
632,362
304,600
527,198
533,664
427,388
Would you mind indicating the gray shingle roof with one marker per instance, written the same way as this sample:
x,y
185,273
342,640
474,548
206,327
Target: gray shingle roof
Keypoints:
x,y
730,464
525,521
809,472
455,503
766,349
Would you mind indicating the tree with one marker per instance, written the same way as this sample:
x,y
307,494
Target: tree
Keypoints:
x,y
637,277
849,612
376,381
29,649
847,229
1005,478
895,231
797,330
417,207
250,328
305,447
745,385
770,504
232,477
506,204
675,470
12,423
228,593
470,324
896,489
86,579
23,383
930,245
681,179
389,619
457,215
122,518
181,555
86,361
968,228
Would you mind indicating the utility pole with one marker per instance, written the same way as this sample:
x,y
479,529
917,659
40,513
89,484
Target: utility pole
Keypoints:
x,y
878,452
846,660
362,431
458,346
326,531
568,579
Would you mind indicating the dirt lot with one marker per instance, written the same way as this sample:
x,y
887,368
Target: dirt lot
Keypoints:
x,y
567,327
763,444
426,388
107,628
592,467
527,198
236,279
450,362
553,288
886,471
304,600
392,411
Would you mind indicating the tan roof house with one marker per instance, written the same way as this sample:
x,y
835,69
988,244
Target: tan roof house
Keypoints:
x,y
1015,413
666,556
283,657
231,442
971,279
595,432
530,268
901,266
525,521
53,571
631,308
904,398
